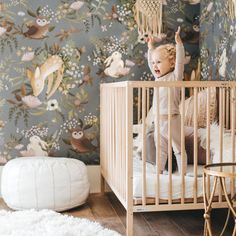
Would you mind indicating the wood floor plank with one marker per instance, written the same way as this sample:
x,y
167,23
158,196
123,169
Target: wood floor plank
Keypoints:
x,y
191,222
141,228
83,211
104,213
162,224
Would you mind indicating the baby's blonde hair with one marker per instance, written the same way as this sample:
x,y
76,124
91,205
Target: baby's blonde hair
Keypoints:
x,y
170,51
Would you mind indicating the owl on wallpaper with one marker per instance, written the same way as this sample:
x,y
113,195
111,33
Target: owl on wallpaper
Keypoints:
x,y
38,30
80,142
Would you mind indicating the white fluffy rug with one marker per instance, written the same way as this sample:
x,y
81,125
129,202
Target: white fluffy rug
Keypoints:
x,y
48,223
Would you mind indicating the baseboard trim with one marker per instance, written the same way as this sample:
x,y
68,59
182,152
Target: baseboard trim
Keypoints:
x,y
93,174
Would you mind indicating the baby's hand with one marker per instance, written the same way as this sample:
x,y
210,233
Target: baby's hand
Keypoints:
x,y
178,40
150,42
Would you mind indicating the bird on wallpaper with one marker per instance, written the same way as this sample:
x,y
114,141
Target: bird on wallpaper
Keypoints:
x,y
80,142
38,30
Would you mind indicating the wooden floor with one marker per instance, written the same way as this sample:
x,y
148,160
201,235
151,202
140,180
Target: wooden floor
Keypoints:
x,y
107,210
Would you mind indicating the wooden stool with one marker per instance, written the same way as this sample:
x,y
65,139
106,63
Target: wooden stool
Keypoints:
x,y
218,171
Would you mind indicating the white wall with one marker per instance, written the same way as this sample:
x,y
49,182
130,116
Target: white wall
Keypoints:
x,y
93,174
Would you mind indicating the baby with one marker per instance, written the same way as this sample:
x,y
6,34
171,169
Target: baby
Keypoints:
x,y
167,64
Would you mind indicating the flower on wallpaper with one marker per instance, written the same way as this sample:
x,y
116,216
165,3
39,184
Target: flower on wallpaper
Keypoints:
x,y
2,31
103,28
3,160
19,146
20,13
234,47
76,5
31,101
52,105
231,30
28,56
129,63
209,6
2,123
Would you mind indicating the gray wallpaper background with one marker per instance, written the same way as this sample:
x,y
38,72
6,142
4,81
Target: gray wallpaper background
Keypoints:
x,y
83,34
218,41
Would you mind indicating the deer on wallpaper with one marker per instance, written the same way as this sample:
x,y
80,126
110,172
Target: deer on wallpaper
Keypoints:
x,y
45,71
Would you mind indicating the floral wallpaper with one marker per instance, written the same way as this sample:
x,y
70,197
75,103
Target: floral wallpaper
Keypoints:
x,y
218,41
55,54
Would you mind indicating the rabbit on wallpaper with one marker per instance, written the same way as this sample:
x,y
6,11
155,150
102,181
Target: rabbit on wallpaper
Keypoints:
x,y
223,62
36,147
115,66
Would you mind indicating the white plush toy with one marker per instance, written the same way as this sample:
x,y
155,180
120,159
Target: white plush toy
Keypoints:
x,y
115,66
36,147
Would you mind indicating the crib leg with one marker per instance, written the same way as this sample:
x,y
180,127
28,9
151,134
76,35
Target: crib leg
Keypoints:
x,y
129,222
102,185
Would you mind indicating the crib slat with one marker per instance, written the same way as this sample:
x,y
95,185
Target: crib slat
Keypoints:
x,y
195,92
144,146
233,118
158,161
119,141
113,136
109,133
208,153
227,113
148,100
221,126
182,144
129,159
139,101
169,147
124,141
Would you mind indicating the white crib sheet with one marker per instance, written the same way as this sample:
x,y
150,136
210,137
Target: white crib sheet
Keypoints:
x,y
164,182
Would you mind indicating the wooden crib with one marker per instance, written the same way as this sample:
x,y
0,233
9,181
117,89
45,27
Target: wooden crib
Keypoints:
x,y
124,104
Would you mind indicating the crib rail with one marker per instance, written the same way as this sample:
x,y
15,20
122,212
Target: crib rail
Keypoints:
x,y
125,104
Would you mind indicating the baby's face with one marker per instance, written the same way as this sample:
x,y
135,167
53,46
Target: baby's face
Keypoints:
x,y
161,63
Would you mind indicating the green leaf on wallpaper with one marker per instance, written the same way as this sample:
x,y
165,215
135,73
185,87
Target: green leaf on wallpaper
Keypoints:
x,y
66,141
81,122
93,5
31,13
98,19
38,10
2,101
70,114
55,135
39,113
87,126
51,28
103,8
60,114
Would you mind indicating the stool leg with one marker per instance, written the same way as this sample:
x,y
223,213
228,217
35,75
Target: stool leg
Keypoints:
x,y
234,232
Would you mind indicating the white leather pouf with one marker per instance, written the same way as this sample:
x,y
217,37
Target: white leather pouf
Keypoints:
x,y
44,182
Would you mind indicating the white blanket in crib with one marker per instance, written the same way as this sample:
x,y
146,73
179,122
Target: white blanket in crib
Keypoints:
x,y
164,182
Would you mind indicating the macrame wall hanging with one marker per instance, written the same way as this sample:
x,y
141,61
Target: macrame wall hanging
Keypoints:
x,y
148,16
232,8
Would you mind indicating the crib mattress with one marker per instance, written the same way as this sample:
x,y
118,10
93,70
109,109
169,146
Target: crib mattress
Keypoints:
x,y
164,182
